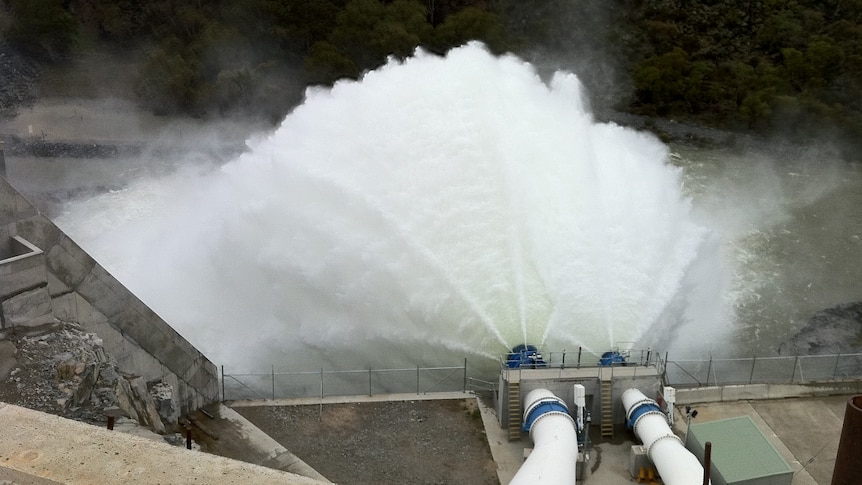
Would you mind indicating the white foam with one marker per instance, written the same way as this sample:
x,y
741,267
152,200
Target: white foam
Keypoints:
x,y
455,205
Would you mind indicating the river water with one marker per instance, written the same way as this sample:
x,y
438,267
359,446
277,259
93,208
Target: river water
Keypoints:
x,y
791,219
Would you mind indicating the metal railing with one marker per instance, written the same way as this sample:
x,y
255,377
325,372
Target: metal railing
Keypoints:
x,y
762,370
580,359
323,383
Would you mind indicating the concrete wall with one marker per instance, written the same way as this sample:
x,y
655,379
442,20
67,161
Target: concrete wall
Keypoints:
x,y
563,387
57,279
766,391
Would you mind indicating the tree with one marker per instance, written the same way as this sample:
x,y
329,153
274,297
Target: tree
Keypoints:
x,y
662,81
796,68
169,80
825,58
782,29
43,27
369,31
325,64
118,20
471,24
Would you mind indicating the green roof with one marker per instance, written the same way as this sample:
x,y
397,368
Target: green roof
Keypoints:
x,y
740,452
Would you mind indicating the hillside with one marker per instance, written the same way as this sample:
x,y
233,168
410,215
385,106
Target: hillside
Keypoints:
x,y
792,69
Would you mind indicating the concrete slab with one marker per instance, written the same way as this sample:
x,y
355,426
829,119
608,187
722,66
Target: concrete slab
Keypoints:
x,y
236,437
50,449
810,430
805,431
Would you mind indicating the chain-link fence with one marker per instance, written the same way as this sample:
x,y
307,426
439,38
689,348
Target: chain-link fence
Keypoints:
x,y
323,383
421,380
762,370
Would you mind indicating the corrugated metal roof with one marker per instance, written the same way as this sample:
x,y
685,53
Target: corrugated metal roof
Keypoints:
x,y
740,452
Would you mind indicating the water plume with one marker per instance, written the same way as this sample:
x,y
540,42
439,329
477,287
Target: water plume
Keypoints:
x,y
438,207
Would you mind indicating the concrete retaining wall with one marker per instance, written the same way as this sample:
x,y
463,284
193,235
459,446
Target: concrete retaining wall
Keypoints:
x,y
766,391
55,278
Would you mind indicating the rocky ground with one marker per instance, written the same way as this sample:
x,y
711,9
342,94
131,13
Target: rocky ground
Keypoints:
x,y
61,369
416,442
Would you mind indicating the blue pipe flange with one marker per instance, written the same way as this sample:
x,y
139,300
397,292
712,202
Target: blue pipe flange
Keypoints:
x,y
645,407
543,407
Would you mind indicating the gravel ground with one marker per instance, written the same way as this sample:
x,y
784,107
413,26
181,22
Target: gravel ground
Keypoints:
x,y
410,442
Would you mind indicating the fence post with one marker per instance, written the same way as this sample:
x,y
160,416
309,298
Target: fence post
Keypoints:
x,y
835,369
223,398
417,379
465,375
753,361
369,382
2,159
793,375
664,367
709,370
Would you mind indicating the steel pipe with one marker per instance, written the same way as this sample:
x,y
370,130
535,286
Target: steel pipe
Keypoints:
x,y
848,461
675,464
555,443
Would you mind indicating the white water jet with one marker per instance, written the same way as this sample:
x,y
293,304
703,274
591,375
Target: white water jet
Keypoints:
x,y
438,207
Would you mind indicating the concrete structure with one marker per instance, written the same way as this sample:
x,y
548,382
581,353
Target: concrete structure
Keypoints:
x,y
561,382
741,455
801,420
43,449
45,276
742,392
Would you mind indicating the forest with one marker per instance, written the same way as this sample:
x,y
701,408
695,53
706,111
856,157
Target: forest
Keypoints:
x,y
788,67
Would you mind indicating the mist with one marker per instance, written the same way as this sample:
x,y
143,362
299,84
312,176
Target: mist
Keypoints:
x,y
437,208
431,212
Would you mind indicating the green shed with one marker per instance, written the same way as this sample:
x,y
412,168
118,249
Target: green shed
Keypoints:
x,y
740,455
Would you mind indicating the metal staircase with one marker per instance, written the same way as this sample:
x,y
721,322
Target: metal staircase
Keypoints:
x,y
607,409
514,411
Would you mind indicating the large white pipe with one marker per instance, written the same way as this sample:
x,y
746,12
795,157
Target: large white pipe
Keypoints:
x,y
675,464
555,443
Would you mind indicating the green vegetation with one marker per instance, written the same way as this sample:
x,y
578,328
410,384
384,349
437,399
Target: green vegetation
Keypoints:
x,y
788,66
793,66
44,28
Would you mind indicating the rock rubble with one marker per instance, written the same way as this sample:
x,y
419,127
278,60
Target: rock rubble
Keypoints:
x,y
60,369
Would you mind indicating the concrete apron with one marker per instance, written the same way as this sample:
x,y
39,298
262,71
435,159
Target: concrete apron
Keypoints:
x,y
48,449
